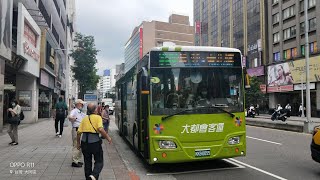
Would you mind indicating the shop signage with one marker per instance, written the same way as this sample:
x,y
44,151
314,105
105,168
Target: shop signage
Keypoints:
x,y
244,61
90,97
28,41
44,79
304,86
25,99
258,71
141,43
30,51
280,88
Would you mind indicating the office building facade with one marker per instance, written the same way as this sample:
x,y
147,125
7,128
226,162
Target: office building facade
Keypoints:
x,y
286,24
240,24
152,34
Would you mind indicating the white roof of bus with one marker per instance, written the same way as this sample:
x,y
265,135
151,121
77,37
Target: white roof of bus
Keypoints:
x,y
196,48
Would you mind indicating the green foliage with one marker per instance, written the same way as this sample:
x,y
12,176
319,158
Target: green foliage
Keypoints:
x,y
110,95
85,60
253,94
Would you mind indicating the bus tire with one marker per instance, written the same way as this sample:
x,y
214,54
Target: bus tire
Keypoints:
x,y
135,140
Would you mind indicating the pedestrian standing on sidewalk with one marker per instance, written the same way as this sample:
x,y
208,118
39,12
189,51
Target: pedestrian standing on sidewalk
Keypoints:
x,y
105,118
90,128
60,115
14,112
76,116
300,110
258,109
288,110
100,108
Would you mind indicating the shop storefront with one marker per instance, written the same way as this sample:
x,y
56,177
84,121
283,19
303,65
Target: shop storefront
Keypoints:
x,y
286,84
45,94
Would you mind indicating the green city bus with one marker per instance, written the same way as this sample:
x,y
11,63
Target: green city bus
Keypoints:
x,y
183,103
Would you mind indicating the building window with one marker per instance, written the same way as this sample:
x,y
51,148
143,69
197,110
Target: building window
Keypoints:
x,y
288,12
289,32
276,37
312,24
275,1
313,47
302,50
302,28
294,52
311,3
287,54
275,18
276,56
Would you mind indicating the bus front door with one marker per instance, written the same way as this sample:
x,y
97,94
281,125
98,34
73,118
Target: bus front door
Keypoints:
x,y
143,108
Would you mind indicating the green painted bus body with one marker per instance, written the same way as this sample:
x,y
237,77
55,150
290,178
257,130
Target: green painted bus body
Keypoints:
x,y
173,129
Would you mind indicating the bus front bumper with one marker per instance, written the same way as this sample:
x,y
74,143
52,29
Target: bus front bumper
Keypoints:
x,y
199,153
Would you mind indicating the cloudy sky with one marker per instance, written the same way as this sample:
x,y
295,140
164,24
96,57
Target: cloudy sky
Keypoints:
x,y
112,21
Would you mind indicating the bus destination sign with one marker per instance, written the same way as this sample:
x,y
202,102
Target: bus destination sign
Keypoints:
x,y
195,59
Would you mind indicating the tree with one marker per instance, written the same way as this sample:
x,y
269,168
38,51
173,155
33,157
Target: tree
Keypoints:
x,y
85,60
110,95
253,94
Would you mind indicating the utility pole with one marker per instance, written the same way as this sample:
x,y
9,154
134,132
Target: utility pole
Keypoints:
x,y
302,97
308,127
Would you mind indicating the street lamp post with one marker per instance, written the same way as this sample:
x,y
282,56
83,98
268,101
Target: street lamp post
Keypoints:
x,y
307,124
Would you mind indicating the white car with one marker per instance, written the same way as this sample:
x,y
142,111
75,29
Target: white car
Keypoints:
x,y
111,109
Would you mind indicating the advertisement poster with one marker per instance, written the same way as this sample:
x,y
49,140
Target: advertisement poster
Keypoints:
x,y
293,72
280,78
25,99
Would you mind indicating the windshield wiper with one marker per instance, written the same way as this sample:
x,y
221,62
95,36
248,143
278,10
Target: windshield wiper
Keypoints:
x,y
210,107
166,117
221,109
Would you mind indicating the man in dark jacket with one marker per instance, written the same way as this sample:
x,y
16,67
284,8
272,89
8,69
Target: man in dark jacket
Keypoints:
x,y
60,115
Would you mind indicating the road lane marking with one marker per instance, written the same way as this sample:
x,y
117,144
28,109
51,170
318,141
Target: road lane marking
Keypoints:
x,y
238,166
257,169
279,130
264,140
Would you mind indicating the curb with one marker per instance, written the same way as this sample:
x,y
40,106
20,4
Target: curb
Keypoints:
x,y
287,127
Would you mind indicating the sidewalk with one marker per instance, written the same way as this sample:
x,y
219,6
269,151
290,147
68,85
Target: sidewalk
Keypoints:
x,y
41,155
291,118
293,123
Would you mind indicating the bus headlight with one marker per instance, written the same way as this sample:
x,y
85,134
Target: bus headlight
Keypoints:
x,y
234,140
167,145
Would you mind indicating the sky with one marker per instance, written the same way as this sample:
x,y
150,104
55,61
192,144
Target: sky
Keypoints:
x,y
111,22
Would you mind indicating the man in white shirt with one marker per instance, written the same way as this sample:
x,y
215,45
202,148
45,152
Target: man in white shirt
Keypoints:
x,y
76,117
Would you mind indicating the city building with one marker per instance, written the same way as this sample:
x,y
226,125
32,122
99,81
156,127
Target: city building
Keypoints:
x,y
107,81
119,71
72,84
33,56
155,33
286,65
240,24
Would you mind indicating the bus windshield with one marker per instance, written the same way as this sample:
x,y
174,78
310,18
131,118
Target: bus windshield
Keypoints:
x,y
178,89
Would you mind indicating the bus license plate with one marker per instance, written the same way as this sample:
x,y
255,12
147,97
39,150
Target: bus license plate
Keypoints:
x,y
202,152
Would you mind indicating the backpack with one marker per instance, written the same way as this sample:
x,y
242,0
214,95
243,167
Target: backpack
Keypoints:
x,y
21,116
60,113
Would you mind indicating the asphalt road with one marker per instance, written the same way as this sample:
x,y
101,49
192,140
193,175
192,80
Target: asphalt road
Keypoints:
x,y
271,154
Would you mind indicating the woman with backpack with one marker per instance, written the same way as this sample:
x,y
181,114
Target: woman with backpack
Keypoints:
x,y
14,121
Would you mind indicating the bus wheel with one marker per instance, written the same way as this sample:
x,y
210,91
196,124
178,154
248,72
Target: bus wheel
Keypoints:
x,y
135,139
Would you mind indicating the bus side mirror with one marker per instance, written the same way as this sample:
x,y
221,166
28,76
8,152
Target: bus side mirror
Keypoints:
x,y
145,82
